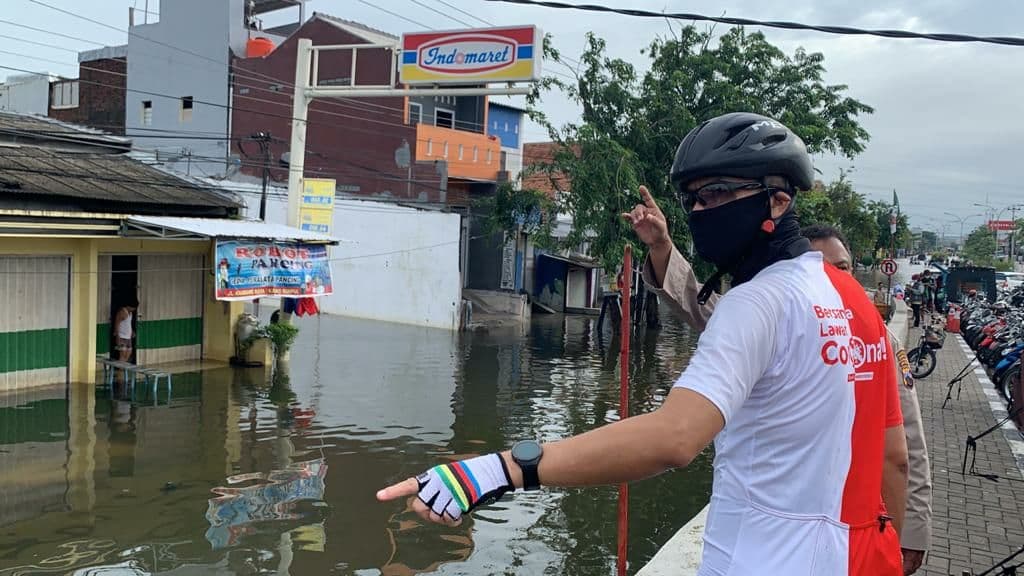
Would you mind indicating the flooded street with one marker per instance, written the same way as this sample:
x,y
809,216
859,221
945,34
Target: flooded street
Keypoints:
x,y
232,475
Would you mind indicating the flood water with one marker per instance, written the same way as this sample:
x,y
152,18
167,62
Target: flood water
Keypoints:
x,y
235,475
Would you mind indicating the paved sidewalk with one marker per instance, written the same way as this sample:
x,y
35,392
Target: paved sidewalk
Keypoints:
x,y
976,521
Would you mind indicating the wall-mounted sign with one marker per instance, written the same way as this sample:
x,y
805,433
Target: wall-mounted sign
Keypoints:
x,y
316,220
472,56
316,207
252,269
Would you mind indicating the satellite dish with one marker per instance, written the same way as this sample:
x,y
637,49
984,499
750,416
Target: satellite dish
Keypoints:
x,y
285,159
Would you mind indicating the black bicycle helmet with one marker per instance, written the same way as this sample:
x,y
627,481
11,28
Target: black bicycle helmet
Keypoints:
x,y
742,145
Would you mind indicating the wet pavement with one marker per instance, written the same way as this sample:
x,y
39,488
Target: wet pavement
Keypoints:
x,y
236,475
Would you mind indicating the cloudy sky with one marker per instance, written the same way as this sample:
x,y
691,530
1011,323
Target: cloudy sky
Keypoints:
x,y
947,120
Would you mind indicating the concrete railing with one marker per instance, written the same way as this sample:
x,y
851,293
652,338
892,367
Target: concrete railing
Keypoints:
x,y
680,556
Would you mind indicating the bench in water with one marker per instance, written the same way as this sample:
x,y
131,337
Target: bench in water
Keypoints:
x,y
149,375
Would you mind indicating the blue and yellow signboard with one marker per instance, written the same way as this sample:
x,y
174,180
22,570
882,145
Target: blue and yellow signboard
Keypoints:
x,y
316,207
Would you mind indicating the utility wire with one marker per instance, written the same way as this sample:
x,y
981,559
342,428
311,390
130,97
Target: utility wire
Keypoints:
x,y
249,110
845,30
395,14
436,11
240,72
43,44
247,74
571,60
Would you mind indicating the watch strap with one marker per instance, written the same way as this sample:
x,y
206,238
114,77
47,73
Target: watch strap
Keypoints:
x,y
531,480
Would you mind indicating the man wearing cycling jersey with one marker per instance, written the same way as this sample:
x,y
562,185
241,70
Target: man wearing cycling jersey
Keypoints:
x,y
670,275
789,379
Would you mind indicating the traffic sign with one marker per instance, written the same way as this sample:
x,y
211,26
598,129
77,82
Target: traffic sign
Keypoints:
x,y
888,267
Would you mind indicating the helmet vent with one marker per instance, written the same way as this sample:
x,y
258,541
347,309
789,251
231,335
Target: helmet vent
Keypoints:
x,y
730,134
772,140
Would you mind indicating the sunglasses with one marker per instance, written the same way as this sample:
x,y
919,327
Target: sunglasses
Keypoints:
x,y
716,193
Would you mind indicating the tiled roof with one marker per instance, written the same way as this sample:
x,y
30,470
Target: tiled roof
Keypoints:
x,y
37,173
27,126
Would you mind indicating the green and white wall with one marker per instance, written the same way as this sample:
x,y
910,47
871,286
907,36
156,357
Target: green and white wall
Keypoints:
x,y
34,339
170,324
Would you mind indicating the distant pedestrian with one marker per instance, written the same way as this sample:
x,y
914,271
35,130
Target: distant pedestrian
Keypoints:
x,y
916,298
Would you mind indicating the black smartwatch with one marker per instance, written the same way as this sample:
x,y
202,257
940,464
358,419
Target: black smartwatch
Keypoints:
x,y
527,455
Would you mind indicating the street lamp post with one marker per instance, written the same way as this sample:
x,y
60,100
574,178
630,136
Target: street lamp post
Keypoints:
x,y
961,220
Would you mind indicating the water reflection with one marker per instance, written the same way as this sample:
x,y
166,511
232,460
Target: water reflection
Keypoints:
x,y
229,475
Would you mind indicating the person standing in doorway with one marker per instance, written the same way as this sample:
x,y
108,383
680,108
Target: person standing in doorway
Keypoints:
x,y
124,331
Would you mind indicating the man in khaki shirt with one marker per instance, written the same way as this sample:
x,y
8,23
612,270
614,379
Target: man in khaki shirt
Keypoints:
x,y
667,273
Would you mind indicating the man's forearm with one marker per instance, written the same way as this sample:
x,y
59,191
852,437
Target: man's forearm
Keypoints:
x,y
669,275
894,477
659,255
631,449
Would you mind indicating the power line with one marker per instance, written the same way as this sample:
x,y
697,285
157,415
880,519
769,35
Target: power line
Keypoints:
x,y
845,30
395,14
489,23
239,109
27,27
252,76
246,74
461,11
43,44
450,17
436,11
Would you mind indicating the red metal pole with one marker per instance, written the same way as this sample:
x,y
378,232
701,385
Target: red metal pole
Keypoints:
x,y
627,323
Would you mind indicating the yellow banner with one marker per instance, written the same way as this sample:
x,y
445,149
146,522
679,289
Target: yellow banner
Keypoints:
x,y
318,193
316,220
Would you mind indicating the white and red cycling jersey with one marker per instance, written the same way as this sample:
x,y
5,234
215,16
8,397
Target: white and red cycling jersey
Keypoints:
x,y
799,363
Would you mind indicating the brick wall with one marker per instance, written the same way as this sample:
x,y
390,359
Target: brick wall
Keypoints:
x,y
536,155
353,141
101,96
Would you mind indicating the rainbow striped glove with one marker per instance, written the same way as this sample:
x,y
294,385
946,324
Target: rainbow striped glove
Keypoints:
x,y
454,489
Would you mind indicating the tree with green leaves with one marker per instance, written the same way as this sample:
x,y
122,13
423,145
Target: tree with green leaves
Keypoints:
x,y
839,205
632,123
929,241
980,247
882,212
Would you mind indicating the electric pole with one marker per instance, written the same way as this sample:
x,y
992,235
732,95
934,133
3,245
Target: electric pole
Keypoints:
x,y
263,139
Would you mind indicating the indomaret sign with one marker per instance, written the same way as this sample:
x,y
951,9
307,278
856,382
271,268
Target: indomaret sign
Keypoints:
x,y
474,56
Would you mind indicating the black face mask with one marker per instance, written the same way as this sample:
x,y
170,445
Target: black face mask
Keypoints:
x,y
725,234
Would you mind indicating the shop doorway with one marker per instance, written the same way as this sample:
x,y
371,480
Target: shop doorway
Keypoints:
x,y
124,288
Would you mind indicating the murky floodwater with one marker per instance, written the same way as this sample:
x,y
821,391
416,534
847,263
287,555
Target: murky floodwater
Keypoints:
x,y
233,475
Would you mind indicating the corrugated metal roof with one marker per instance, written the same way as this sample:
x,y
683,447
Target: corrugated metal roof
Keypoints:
x,y
222,228
41,127
38,173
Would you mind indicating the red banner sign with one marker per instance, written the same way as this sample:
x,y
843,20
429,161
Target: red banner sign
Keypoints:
x,y
1000,225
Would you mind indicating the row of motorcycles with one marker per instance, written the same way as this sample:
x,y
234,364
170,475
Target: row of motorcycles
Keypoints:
x,y
995,332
